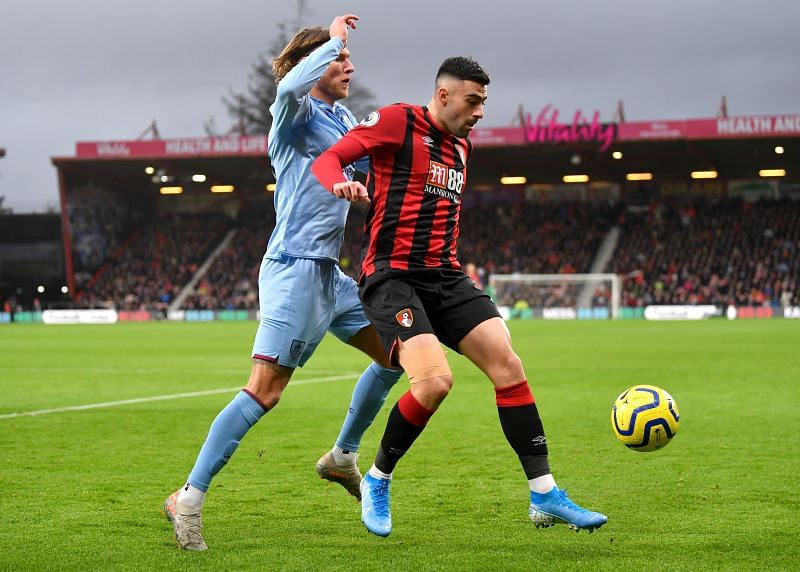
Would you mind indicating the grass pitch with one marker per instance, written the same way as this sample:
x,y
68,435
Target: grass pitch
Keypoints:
x,y
82,489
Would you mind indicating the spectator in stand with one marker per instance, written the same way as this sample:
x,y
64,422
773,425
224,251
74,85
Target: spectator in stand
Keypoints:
x,y
472,273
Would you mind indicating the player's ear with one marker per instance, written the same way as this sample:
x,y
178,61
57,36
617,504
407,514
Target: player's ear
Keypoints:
x,y
443,94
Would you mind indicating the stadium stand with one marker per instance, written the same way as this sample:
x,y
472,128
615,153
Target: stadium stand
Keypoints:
x,y
690,251
652,201
544,238
231,282
100,220
160,259
711,252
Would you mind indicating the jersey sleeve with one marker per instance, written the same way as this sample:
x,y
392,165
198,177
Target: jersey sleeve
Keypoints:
x,y
361,164
327,168
383,130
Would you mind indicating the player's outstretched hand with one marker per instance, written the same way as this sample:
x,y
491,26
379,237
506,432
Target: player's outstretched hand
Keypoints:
x,y
352,191
339,26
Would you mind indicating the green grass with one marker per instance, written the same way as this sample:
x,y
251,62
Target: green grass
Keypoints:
x,y
83,490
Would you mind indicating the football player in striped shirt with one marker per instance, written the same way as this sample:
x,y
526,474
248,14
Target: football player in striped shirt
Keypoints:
x,y
415,293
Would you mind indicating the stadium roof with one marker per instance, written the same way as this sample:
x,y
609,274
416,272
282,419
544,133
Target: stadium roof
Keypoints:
x,y
543,150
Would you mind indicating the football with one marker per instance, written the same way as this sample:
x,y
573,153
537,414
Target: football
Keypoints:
x,y
645,418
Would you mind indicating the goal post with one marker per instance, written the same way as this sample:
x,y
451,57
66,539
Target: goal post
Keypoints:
x,y
564,296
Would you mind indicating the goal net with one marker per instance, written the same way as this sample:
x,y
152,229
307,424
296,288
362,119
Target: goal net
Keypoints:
x,y
556,296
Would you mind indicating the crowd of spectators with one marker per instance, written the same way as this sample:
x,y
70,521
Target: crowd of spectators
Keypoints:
x,y
523,295
525,238
231,282
545,238
157,263
710,252
696,252
99,220
535,238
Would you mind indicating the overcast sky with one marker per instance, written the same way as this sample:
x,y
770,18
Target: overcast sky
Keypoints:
x,y
103,69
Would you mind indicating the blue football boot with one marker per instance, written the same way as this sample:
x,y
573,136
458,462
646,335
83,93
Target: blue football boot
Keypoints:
x,y
555,507
375,505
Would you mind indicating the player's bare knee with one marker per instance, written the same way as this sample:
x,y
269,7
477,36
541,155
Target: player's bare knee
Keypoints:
x,y
438,387
267,382
506,369
513,365
270,399
267,395
444,385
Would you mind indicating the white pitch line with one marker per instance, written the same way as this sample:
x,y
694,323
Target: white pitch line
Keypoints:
x,y
128,370
162,397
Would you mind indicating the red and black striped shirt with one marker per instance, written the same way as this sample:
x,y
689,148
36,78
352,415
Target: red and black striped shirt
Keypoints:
x,y
417,174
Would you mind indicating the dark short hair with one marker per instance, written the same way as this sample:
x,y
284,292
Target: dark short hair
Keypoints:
x,y
463,68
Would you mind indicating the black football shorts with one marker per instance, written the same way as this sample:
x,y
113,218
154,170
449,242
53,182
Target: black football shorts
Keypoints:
x,y
404,303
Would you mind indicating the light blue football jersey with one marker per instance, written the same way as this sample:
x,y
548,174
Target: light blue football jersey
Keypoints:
x,y
310,220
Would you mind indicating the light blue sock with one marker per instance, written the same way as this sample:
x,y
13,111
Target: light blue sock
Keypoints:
x,y
368,396
223,438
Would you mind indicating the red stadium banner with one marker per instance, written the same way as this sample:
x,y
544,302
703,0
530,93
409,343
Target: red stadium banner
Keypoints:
x,y
720,128
250,146
497,137
546,129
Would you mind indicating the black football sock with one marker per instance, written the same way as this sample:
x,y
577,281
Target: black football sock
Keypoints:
x,y
523,428
406,422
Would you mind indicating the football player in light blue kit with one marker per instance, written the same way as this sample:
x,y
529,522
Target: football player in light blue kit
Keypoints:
x,y
302,291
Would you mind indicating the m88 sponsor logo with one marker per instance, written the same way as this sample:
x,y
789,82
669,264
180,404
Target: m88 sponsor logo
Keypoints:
x,y
443,177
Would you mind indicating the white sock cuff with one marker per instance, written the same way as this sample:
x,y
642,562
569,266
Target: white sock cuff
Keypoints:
x,y
191,497
543,484
378,474
343,458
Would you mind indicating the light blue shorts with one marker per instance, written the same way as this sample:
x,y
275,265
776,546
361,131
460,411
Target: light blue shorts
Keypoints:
x,y
300,299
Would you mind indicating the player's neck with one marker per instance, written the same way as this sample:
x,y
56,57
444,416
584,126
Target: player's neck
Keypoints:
x,y
321,95
435,113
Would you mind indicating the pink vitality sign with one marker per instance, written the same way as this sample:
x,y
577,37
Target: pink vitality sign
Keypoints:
x,y
547,129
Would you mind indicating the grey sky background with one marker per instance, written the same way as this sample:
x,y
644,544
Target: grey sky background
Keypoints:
x,y
103,69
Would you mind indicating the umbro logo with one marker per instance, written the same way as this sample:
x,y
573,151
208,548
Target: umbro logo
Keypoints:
x,y
427,140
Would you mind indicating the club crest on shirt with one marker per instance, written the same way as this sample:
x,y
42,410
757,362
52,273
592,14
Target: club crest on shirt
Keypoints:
x,y
296,348
371,119
404,317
